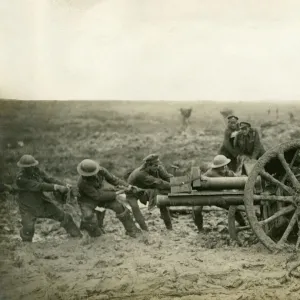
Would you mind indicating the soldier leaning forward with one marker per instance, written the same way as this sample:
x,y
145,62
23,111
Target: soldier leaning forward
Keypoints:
x,y
247,142
92,193
227,149
218,169
33,203
154,179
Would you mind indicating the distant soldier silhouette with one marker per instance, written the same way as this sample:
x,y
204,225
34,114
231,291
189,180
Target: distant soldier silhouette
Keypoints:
x,y
185,116
269,111
277,113
292,118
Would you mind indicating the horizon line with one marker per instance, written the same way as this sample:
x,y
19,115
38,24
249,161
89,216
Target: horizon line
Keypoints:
x,y
153,100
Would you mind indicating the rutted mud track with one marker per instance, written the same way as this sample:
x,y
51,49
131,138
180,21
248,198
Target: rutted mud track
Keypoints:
x,y
158,265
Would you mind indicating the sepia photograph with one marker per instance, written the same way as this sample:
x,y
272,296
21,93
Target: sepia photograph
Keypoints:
x,y
149,150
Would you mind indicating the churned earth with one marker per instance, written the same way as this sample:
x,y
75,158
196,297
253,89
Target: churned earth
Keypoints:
x,y
178,264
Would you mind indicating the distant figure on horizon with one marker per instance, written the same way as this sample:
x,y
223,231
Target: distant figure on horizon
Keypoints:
x,y
185,116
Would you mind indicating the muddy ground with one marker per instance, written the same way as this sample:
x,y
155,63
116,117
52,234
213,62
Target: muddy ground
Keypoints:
x,y
178,264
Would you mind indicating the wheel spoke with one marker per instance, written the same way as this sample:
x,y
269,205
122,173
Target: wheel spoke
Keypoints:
x,y
289,172
283,211
269,177
289,228
278,214
291,165
298,238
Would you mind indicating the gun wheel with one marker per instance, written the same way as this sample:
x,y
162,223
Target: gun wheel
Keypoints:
x,y
279,169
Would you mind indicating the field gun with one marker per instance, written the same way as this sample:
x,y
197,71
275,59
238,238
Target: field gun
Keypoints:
x,y
268,193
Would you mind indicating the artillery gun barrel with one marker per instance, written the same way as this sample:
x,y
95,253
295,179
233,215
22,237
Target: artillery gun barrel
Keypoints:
x,y
209,198
221,183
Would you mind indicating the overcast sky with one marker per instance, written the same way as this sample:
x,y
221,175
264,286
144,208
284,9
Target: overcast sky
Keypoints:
x,y
150,49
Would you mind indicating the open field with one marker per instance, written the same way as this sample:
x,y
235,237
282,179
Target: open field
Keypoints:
x,y
182,264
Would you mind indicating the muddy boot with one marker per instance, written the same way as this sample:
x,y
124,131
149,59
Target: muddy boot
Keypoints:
x,y
92,229
70,227
239,218
128,223
100,219
26,237
166,217
143,225
198,218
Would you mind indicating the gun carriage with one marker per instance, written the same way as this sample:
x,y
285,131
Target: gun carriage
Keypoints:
x,y
268,193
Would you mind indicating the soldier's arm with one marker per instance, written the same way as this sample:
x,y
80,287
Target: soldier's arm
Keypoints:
x,y
227,144
257,145
153,182
112,179
230,173
163,173
47,178
34,186
5,188
96,194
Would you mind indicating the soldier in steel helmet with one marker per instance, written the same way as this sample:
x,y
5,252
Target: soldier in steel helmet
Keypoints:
x,y
219,168
248,144
93,193
154,179
227,149
33,203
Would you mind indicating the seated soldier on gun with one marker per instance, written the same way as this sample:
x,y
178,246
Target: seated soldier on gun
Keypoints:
x,y
247,143
218,169
92,194
33,203
154,179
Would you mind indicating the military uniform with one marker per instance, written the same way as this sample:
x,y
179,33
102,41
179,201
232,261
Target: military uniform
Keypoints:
x,y
250,144
92,193
215,171
33,203
154,182
227,149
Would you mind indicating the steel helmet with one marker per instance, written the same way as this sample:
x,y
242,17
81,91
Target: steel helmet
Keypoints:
x,y
220,161
88,167
27,161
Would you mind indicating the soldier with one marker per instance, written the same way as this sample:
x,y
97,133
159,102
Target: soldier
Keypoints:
x,y
92,193
33,203
247,143
218,169
227,149
153,178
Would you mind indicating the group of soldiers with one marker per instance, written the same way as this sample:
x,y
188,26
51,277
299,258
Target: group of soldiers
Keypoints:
x,y
98,188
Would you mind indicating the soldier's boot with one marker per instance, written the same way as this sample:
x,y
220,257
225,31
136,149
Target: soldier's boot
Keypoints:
x,y
166,217
239,218
139,218
100,220
92,229
128,223
69,225
26,235
198,217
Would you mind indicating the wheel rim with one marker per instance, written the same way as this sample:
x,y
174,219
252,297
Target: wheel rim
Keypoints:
x,y
270,160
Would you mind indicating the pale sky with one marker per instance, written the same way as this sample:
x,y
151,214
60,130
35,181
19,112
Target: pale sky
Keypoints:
x,y
150,49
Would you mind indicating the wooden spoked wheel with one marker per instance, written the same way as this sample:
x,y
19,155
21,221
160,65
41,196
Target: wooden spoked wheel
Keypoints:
x,y
280,200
